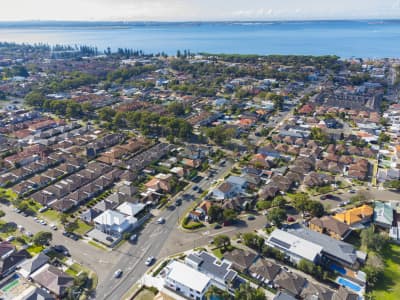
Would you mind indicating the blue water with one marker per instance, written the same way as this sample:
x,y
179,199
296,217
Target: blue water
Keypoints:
x,y
338,269
343,38
349,284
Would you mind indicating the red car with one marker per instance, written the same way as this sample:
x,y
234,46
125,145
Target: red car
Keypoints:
x,y
290,219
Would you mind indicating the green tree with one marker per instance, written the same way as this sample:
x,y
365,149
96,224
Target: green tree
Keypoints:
x,y
253,241
42,238
279,201
2,213
392,184
229,215
106,114
246,292
35,98
71,226
374,268
263,204
315,208
371,240
276,216
215,214
222,241
214,291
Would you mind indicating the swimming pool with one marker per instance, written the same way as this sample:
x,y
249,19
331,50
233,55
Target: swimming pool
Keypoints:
x,y
347,283
338,269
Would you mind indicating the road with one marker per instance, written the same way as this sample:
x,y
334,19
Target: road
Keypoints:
x,y
152,241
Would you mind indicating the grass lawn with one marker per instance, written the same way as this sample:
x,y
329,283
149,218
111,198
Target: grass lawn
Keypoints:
x,y
33,250
217,252
50,215
388,287
83,227
97,245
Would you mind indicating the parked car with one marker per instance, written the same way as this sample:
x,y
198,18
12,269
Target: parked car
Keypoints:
x,y
251,217
61,249
10,238
290,219
352,191
29,234
217,226
43,209
133,237
150,260
118,273
161,221
178,202
53,226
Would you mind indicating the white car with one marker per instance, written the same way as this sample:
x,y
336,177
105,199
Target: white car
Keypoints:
x,y
118,273
149,260
161,221
10,238
54,227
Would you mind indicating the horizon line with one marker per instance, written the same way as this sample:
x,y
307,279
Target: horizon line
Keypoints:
x,y
202,21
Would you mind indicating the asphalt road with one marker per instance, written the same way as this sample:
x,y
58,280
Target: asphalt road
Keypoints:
x,y
153,240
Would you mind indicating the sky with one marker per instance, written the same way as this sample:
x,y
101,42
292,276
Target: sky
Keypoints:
x,y
197,10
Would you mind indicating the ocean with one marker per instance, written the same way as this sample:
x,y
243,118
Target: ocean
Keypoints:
x,y
366,38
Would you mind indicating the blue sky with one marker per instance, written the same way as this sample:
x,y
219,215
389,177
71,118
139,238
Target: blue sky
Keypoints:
x,y
197,10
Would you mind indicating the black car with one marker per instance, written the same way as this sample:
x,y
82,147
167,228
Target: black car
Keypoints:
x,y
61,249
65,233
171,207
178,202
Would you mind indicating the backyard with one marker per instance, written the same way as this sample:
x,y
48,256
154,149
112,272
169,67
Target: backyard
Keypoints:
x,y
388,287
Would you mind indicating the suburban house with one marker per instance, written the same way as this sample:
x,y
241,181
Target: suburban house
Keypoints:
x,y
131,209
114,223
220,272
302,243
34,293
292,283
186,281
31,265
9,263
230,188
241,260
265,269
295,247
53,279
383,214
356,217
331,227
6,249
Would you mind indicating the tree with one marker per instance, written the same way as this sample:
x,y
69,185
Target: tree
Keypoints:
x,y
215,214
372,241
71,226
229,215
2,213
42,238
383,138
300,202
35,98
374,268
276,216
246,292
106,114
392,184
63,218
253,241
222,241
279,201
264,204
214,291
176,108
315,208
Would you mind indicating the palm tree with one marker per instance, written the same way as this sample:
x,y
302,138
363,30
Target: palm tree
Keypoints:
x,y
214,291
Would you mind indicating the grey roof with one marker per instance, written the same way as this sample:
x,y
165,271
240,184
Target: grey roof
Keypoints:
x,y
283,296
208,264
35,263
332,247
38,294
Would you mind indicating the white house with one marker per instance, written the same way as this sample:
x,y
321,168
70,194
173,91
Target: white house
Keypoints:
x,y
113,222
131,209
186,280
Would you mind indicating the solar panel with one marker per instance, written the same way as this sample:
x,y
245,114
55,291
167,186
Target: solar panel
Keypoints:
x,y
280,243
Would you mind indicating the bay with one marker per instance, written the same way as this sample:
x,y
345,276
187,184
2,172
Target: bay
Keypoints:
x,y
359,38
